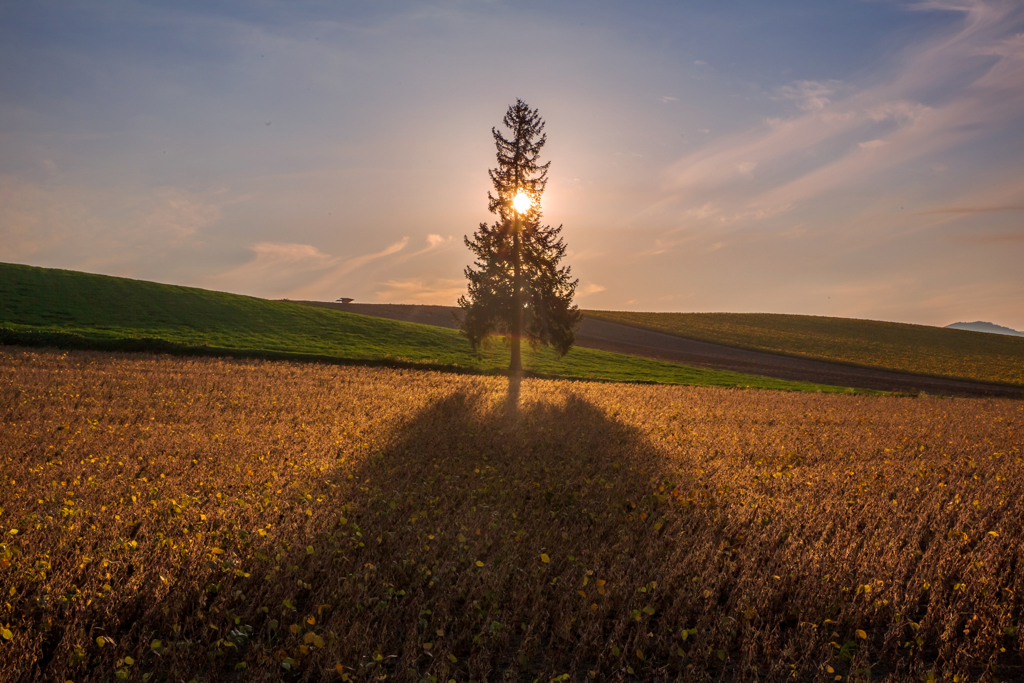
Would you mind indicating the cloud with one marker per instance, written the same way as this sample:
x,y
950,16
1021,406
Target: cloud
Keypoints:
x,y
295,271
1009,238
111,229
807,156
433,242
665,99
36,219
440,292
590,289
275,269
328,284
176,215
273,255
810,95
976,209
360,261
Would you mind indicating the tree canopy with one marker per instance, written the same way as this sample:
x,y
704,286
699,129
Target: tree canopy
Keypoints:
x,y
516,286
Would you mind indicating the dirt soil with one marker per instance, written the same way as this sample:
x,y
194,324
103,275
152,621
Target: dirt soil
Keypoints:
x,y
608,336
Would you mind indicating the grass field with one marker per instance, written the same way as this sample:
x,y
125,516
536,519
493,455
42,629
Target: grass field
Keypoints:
x,y
69,309
175,519
918,349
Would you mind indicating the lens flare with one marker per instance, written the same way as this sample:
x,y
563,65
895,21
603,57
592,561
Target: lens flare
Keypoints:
x,y
521,202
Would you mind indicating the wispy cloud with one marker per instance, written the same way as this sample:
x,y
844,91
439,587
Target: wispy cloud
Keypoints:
x,y
810,95
976,209
440,292
592,288
329,284
114,231
434,242
359,261
1008,238
274,270
941,96
295,271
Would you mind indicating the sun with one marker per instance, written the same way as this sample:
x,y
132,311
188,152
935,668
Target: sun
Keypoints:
x,y
521,202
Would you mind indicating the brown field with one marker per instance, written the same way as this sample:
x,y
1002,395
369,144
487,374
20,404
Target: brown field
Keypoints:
x,y
201,519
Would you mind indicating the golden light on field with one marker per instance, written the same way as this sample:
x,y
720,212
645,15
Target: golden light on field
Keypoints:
x,y
155,509
521,202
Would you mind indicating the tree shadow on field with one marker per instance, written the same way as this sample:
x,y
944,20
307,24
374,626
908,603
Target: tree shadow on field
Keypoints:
x,y
512,397
486,541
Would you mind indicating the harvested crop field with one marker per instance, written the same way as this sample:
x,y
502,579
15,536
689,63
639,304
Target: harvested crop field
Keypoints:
x,y
177,519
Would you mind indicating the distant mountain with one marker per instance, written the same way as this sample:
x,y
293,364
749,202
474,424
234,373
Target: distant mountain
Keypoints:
x,y
980,326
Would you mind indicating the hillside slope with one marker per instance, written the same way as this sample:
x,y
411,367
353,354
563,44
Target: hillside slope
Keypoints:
x,y
981,326
595,333
63,308
918,349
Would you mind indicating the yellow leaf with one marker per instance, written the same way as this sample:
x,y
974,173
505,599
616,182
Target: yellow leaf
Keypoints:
x,y
129,661
992,533
830,669
308,638
294,628
479,563
338,668
544,558
217,551
263,532
100,642
6,633
318,641
311,620
862,635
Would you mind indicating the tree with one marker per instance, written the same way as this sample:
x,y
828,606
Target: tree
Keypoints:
x,y
516,287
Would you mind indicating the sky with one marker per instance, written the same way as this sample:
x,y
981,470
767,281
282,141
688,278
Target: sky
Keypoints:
x,y
852,158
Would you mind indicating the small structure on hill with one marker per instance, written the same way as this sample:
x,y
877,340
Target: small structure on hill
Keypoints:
x,y
344,300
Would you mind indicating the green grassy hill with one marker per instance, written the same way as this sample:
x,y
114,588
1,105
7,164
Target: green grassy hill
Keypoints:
x,y
918,349
69,309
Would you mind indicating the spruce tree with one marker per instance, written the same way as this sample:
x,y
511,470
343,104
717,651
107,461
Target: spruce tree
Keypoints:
x,y
516,286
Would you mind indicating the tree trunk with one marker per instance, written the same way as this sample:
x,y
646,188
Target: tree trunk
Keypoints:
x,y
515,366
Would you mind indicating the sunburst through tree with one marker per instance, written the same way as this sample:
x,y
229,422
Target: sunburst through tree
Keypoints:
x,y
516,286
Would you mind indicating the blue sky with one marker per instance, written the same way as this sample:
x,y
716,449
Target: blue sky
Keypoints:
x,y
859,159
